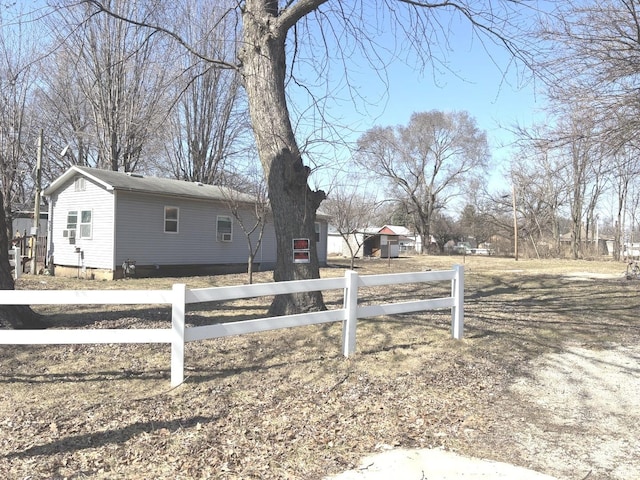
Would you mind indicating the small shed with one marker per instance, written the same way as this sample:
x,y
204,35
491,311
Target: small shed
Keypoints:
x,y
107,224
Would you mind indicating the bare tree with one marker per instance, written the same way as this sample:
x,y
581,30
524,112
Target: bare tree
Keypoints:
x,y
577,140
624,178
210,122
561,169
120,70
17,129
445,229
426,162
17,64
246,197
352,212
593,58
473,222
592,54
538,176
276,36
67,115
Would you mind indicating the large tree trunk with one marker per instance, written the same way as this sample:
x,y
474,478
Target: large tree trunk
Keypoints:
x,y
12,316
293,203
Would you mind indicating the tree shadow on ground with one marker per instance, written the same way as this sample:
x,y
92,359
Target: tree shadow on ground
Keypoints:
x,y
74,443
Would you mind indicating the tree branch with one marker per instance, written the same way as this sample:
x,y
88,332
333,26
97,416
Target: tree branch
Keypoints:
x,y
292,13
218,63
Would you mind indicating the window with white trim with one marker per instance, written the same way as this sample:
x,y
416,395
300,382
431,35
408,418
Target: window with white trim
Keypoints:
x,y
72,220
224,228
171,215
79,184
85,229
80,224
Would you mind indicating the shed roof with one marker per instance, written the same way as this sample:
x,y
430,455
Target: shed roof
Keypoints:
x,y
388,230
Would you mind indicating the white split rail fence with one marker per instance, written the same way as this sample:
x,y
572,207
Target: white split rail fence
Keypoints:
x,y
180,296
15,261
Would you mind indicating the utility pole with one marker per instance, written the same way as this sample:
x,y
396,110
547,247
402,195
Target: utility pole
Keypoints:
x,y
36,208
515,222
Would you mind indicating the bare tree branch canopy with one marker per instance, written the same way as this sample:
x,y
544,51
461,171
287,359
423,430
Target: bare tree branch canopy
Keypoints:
x,y
209,125
102,7
285,45
18,75
352,212
592,54
426,162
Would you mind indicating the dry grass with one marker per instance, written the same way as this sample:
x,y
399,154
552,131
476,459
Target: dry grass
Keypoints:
x,y
285,404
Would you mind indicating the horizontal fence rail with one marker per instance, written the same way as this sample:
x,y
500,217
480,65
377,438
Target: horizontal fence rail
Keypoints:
x,y
179,296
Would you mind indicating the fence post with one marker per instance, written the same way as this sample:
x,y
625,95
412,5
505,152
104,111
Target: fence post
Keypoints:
x,y
17,260
457,311
177,337
351,313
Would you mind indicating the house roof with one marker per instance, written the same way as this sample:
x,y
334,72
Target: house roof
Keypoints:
x,y
132,182
397,230
388,230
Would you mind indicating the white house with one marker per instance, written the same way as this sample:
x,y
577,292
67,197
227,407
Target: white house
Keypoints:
x,y
102,222
386,241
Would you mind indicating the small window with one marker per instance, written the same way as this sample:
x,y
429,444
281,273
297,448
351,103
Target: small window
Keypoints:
x,y
72,220
224,228
171,219
79,226
85,224
79,184
317,227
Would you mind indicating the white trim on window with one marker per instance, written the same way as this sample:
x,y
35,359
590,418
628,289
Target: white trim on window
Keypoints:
x,y
79,224
85,227
171,219
224,228
72,219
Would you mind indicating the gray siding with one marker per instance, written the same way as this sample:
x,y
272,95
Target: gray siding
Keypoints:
x,y
97,251
129,225
267,253
140,234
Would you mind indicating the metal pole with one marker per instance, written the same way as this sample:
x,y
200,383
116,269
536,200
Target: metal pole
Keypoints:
x,y
36,208
515,222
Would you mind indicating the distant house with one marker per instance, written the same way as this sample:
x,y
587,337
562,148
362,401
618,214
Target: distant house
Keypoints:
x,y
23,231
383,242
22,223
106,224
335,242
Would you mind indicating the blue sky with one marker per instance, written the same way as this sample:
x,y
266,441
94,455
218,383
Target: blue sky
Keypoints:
x,y
484,83
497,103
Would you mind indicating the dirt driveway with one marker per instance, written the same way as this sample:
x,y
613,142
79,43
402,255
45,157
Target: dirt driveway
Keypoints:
x,y
572,413
579,411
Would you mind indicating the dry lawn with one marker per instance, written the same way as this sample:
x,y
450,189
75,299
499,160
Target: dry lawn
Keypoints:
x,y
286,405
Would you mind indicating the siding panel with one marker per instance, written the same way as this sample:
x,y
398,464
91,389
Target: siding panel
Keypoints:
x,y
140,232
97,251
